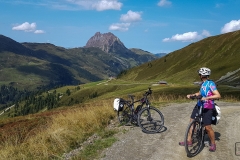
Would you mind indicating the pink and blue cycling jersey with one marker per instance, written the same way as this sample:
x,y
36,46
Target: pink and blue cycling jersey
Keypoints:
x,y
206,90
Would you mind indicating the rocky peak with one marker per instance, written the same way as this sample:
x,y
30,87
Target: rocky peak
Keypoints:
x,y
107,42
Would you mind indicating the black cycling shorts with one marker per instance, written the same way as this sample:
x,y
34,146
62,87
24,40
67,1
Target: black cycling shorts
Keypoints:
x,y
207,115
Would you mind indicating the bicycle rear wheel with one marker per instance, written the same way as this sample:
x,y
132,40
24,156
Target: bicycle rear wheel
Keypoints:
x,y
196,132
124,116
150,120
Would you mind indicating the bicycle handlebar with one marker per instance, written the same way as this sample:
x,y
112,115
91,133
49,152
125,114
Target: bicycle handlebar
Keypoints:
x,y
196,97
148,92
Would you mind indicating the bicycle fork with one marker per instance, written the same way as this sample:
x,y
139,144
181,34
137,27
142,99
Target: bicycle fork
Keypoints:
x,y
149,118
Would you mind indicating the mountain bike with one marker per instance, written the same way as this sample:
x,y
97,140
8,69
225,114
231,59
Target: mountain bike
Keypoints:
x,y
196,131
149,118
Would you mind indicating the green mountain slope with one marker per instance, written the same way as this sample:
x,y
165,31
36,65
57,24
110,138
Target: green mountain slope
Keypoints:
x,y
220,53
33,65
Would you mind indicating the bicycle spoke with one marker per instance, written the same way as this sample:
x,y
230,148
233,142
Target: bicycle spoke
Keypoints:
x,y
151,120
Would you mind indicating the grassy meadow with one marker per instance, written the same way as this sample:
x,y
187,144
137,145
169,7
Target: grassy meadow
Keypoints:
x,y
50,134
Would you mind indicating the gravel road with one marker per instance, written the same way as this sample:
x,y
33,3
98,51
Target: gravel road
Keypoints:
x,y
137,145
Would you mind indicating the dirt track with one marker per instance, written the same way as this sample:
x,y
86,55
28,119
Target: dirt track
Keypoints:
x,y
136,145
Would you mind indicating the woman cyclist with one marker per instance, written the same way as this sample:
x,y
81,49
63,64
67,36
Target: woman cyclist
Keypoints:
x,y
209,92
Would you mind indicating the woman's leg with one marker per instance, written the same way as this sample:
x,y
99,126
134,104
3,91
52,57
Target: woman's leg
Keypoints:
x,y
210,133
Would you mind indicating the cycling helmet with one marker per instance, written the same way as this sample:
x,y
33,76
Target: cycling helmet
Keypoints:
x,y
204,71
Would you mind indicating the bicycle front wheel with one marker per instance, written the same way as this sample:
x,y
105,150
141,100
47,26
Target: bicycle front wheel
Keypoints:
x,y
124,116
150,120
194,133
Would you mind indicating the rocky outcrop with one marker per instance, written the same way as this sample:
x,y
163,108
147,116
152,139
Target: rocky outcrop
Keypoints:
x,y
112,45
107,42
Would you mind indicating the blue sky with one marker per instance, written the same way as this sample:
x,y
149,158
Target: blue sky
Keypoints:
x,y
157,26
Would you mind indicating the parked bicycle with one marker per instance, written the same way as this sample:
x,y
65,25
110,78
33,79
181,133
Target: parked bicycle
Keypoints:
x,y
149,118
196,131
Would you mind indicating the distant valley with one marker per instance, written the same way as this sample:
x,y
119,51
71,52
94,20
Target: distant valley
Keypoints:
x,y
32,65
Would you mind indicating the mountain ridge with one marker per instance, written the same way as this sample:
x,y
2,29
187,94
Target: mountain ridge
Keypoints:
x,y
52,65
219,53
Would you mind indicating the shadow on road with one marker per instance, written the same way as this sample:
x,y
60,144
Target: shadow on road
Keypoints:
x,y
217,135
162,130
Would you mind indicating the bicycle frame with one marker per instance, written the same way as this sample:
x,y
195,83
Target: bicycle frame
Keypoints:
x,y
200,110
143,100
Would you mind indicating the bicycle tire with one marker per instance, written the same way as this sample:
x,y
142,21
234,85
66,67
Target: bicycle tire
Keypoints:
x,y
152,124
124,116
197,135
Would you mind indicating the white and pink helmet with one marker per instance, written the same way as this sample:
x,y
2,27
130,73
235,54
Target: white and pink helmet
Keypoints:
x,y
204,71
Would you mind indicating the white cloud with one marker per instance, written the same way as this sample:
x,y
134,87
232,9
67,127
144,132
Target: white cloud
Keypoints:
x,y
131,16
206,33
162,3
107,4
187,37
127,19
27,27
234,25
39,31
119,26
99,5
